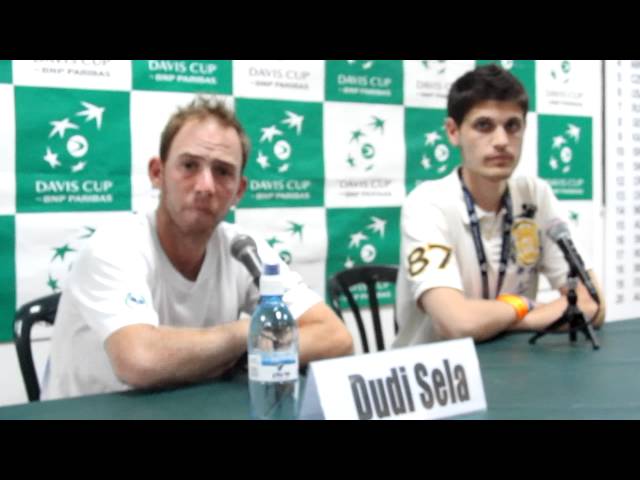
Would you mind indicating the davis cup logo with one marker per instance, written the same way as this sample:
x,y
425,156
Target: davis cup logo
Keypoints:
x,y
365,243
438,67
275,152
562,150
507,64
67,143
283,247
363,64
562,71
437,152
574,217
73,150
61,261
362,145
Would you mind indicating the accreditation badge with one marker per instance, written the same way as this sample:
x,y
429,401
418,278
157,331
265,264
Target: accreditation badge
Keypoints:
x,y
526,240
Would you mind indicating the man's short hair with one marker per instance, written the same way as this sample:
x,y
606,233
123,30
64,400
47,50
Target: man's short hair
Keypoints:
x,y
488,82
203,108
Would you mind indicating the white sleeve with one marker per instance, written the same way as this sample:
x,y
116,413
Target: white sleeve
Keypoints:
x,y
109,288
427,252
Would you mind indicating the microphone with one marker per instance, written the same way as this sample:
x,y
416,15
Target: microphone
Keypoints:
x,y
243,249
558,231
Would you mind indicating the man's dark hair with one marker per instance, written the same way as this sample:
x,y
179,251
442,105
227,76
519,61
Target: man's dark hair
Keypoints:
x,y
488,82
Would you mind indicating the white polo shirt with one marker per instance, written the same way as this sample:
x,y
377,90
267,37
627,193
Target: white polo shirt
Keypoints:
x,y
437,248
124,277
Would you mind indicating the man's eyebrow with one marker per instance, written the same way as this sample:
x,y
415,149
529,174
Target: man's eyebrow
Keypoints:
x,y
189,155
489,117
214,159
483,117
220,161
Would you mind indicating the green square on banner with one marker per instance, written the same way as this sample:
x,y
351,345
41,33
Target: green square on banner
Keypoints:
x,y
523,70
363,236
286,163
430,156
369,81
207,76
565,155
73,150
7,277
5,71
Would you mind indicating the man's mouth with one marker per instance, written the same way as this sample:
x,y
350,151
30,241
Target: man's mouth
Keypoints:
x,y
202,209
500,158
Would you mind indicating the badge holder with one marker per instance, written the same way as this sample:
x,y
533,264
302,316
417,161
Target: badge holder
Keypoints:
x,y
572,316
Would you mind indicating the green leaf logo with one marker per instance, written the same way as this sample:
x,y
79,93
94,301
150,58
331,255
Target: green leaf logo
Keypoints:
x,y
562,149
275,149
66,138
362,144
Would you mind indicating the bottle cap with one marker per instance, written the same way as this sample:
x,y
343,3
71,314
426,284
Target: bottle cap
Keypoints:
x,y
271,269
270,280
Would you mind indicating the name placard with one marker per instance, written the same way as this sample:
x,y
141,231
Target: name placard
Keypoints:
x,y
435,380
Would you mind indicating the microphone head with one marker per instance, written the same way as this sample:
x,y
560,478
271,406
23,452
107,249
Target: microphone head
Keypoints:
x,y
240,243
557,229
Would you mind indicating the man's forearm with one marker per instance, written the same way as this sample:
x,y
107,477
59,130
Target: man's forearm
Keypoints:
x,y
322,335
542,315
145,356
455,316
545,314
482,319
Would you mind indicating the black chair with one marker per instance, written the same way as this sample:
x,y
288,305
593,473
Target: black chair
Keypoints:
x,y
40,310
370,275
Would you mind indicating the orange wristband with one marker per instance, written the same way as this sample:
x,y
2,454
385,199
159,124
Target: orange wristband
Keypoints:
x,y
516,301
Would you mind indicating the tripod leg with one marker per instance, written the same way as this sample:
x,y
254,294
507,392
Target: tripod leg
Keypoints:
x,y
587,329
573,327
552,326
533,339
572,315
578,322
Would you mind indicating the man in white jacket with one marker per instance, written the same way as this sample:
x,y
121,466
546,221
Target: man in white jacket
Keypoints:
x,y
460,232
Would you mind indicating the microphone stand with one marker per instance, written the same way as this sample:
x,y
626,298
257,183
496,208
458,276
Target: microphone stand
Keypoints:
x,y
572,316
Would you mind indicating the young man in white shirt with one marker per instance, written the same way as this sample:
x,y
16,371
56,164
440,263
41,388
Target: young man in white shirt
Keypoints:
x,y
160,301
478,219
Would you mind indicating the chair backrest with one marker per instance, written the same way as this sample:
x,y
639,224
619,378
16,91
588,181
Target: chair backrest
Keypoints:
x,y
40,310
370,275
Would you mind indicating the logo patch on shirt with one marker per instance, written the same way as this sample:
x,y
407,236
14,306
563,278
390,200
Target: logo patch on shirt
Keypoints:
x,y
132,300
526,240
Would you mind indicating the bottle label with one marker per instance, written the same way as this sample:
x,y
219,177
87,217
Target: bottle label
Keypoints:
x,y
272,367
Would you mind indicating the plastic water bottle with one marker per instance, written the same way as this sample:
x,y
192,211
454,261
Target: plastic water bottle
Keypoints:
x,y
273,352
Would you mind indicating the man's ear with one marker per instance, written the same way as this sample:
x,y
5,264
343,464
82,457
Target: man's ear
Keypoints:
x,y
453,131
155,170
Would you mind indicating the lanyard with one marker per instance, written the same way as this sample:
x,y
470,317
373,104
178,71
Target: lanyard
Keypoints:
x,y
477,238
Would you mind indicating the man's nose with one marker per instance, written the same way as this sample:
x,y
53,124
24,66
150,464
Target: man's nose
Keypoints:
x,y
205,182
500,138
